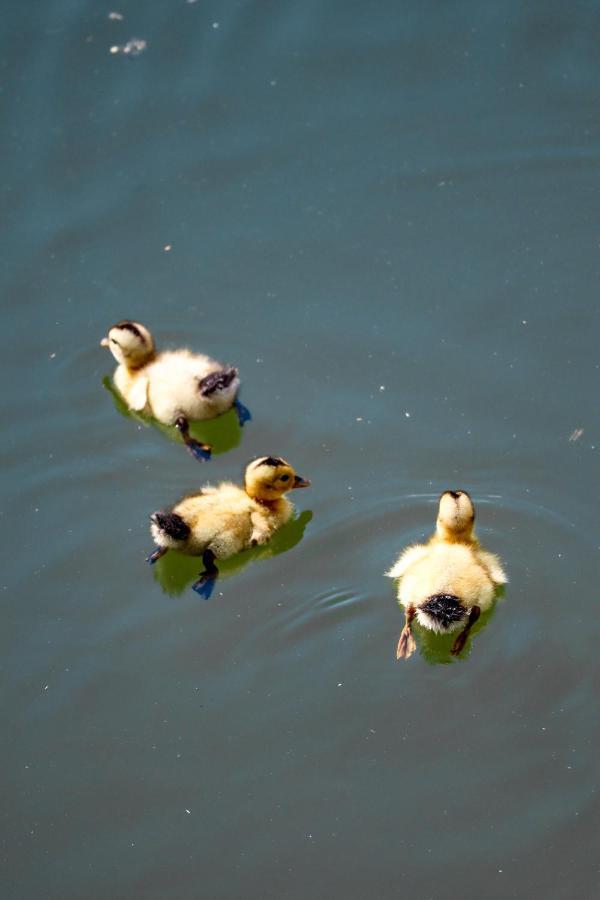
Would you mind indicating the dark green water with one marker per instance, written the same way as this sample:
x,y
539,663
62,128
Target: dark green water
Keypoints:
x,y
387,215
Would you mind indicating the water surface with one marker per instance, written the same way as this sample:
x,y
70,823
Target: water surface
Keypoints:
x,y
386,214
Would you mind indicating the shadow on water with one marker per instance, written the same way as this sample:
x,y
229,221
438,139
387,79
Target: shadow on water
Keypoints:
x,y
436,648
223,433
176,571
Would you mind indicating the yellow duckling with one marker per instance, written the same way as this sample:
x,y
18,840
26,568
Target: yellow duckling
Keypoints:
x,y
449,581
221,521
172,386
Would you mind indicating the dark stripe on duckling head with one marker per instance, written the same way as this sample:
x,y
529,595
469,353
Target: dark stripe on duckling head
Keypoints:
x,y
272,461
172,525
217,381
444,608
129,326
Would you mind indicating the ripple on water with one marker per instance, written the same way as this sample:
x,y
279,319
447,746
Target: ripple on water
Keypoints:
x,y
443,753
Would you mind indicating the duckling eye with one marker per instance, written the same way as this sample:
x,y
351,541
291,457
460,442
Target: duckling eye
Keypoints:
x,y
112,340
284,478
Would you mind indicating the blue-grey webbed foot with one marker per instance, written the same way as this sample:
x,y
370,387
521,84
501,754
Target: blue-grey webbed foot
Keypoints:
x,y
243,413
199,451
205,584
156,554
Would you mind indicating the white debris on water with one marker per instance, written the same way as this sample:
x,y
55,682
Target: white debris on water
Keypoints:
x,y
116,16
133,47
575,435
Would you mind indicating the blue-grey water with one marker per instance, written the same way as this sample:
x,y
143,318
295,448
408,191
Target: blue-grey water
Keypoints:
x,y
387,215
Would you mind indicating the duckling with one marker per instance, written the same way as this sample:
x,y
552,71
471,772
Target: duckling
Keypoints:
x,y
218,522
172,386
449,581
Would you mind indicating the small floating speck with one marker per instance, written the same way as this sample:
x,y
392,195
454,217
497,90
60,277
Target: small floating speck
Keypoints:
x,y
189,812
167,248
359,418
216,25
116,16
133,47
575,435
382,387
340,683
53,356
407,414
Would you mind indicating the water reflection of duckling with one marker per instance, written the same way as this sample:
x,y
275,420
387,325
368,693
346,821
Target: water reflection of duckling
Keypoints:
x,y
219,522
173,386
448,582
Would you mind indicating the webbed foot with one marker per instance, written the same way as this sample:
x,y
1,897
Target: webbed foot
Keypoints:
x,y
204,586
243,413
198,450
459,644
461,640
406,645
156,554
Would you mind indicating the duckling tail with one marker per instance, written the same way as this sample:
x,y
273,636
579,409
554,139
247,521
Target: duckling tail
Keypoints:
x,y
170,525
444,609
217,381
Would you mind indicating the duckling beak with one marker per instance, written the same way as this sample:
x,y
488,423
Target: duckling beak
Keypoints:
x,y
104,342
300,482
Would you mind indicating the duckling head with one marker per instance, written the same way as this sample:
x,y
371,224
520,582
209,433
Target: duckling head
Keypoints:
x,y
130,343
269,477
456,517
